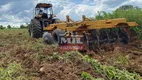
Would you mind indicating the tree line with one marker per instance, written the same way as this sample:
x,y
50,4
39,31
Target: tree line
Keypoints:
x,y
129,12
9,26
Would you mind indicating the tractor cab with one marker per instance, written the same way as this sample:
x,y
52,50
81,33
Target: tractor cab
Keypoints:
x,y
44,14
44,11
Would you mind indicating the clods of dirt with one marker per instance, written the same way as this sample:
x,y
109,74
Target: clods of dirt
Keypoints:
x,y
66,69
123,56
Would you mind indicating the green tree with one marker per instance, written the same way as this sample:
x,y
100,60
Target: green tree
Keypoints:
x,y
22,26
9,27
125,7
128,11
1,27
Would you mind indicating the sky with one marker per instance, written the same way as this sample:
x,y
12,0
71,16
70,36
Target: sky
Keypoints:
x,y
17,12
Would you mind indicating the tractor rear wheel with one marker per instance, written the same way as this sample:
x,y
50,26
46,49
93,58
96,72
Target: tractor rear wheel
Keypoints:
x,y
35,29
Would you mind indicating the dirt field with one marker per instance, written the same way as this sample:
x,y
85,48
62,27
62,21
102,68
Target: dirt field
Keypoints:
x,y
24,58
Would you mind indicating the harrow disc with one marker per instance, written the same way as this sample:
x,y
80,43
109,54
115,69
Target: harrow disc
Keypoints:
x,y
123,36
111,35
105,36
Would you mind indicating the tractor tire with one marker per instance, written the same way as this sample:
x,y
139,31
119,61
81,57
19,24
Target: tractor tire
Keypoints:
x,y
36,30
29,28
48,38
56,35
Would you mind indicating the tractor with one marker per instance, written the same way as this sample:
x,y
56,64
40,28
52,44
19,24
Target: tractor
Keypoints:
x,y
42,18
96,32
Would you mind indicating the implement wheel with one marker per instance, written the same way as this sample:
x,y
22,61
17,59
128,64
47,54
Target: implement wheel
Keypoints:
x,y
48,39
56,35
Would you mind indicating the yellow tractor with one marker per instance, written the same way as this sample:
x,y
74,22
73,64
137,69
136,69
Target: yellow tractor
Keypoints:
x,y
94,31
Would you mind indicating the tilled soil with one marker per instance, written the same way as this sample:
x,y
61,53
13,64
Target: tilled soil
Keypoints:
x,y
127,57
34,56
67,69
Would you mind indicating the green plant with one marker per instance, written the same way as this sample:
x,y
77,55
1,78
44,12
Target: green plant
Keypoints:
x,y
38,46
87,76
56,56
14,71
111,72
123,59
138,31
